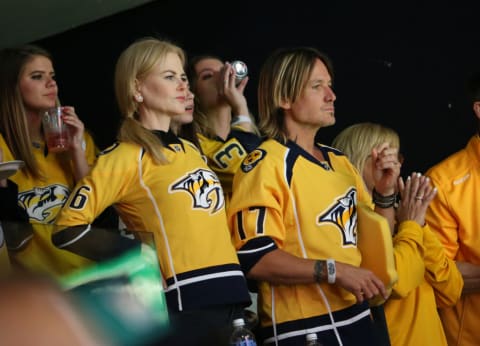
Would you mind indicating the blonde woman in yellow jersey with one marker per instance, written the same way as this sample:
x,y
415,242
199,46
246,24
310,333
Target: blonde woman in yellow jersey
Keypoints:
x,y
293,212
427,278
225,128
454,217
160,184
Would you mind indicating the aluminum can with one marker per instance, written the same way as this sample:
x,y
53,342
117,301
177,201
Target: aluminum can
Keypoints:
x,y
240,69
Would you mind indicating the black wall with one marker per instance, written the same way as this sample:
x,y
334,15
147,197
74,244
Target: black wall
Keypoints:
x,y
400,64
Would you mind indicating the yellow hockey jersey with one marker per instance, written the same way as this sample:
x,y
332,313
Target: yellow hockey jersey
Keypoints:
x,y
454,217
182,204
41,200
277,203
225,157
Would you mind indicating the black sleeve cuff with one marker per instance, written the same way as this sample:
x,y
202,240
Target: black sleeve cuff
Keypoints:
x,y
253,251
96,244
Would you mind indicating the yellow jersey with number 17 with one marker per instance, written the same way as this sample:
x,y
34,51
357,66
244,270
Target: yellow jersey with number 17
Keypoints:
x,y
286,199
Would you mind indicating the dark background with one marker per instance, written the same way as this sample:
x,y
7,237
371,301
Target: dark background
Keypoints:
x,y
401,64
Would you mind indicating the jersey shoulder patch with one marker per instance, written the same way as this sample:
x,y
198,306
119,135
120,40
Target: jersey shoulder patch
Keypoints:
x,y
253,159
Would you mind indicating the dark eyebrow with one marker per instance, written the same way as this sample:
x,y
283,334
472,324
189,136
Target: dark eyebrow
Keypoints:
x,y
41,71
208,69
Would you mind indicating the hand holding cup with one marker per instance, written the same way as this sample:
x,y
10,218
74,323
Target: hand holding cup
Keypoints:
x,y
63,130
57,134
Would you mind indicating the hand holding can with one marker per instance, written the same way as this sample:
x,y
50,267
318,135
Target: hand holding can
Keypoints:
x,y
240,69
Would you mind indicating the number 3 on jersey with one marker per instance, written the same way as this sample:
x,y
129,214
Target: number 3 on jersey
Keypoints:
x,y
232,152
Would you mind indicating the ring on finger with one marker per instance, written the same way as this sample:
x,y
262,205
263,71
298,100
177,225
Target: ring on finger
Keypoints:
x,y
419,198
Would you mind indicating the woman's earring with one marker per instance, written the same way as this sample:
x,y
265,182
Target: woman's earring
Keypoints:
x,y
139,98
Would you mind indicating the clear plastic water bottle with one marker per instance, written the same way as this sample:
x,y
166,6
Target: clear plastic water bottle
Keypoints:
x,y
312,340
241,335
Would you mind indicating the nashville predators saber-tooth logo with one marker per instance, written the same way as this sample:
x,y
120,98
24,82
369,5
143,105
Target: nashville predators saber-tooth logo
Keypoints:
x,y
42,204
205,189
343,214
252,160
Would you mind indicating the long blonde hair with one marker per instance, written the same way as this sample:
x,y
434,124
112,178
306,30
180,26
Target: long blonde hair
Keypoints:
x,y
358,140
135,63
283,78
13,117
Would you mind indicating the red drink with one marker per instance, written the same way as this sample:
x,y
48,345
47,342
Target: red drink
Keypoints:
x,y
56,131
57,142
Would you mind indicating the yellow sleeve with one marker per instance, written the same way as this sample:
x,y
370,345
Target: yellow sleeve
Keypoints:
x,y
408,252
375,244
441,272
260,209
112,176
442,222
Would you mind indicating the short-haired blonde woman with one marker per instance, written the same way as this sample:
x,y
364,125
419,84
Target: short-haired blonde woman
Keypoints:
x,y
427,278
